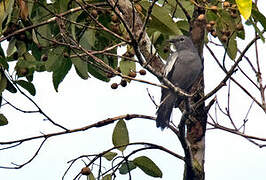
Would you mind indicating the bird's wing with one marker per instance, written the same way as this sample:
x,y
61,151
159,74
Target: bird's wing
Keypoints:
x,y
170,63
185,72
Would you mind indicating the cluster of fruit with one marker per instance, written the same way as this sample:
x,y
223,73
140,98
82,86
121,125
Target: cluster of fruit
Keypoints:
x,y
225,32
123,82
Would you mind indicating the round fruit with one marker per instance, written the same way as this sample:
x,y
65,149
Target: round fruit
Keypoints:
x,y
94,13
224,38
214,8
142,72
239,27
85,171
115,28
223,31
66,55
123,83
201,17
227,33
22,37
23,71
132,74
115,18
234,6
233,15
212,23
209,27
44,57
114,86
226,4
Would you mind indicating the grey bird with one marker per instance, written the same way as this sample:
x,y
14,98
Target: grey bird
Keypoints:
x,y
182,69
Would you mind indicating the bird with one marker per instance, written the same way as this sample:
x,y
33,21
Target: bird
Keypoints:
x,y
182,69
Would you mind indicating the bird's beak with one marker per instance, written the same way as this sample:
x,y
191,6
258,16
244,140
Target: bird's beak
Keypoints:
x,y
171,41
172,45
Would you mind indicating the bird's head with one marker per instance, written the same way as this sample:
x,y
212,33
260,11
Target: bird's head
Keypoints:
x,y
180,43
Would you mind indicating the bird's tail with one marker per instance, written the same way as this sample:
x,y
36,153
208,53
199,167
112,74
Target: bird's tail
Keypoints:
x,y
165,110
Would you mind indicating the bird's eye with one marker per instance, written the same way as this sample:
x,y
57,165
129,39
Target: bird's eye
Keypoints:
x,y
182,39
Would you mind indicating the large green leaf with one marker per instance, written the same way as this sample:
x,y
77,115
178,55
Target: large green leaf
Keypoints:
x,y
232,47
259,17
120,135
148,166
91,176
188,5
161,20
97,73
11,47
127,167
3,63
27,86
10,87
53,57
21,48
3,120
63,65
127,66
88,39
109,155
80,67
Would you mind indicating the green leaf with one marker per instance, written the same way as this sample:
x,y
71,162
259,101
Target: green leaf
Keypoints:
x,y
10,87
27,86
110,155
178,11
161,20
73,17
22,48
107,177
91,176
3,82
53,58
259,17
244,7
127,66
88,39
148,166
44,31
97,73
127,167
120,135
3,63
80,67
11,47
2,52
232,47
63,65
3,120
